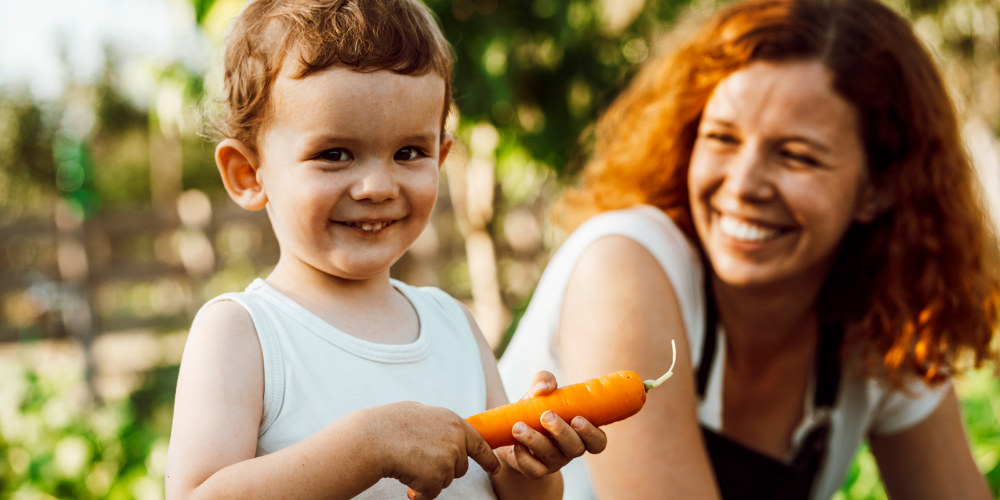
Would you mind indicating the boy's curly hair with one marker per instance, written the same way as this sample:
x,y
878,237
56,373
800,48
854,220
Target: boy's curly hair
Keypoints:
x,y
364,35
920,283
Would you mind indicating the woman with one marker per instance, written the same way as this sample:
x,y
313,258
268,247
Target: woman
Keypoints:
x,y
786,197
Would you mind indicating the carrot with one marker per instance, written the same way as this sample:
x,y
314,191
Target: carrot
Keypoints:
x,y
603,400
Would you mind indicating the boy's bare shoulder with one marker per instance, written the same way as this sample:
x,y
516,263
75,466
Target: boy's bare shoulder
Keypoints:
x,y
227,311
223,322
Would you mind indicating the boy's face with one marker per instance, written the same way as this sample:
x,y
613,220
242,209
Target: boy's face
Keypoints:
x,y
349,163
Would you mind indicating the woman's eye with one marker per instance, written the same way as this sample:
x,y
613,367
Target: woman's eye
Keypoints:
x,y
722,138
336,154
803,159
407,154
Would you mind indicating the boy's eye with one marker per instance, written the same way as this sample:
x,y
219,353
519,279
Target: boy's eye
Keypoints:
x,y
408,153
336,154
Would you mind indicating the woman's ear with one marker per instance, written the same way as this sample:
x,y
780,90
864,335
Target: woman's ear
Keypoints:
x,y
238,165
875,200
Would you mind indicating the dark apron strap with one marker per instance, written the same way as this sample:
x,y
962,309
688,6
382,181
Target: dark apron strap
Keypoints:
x,y
744,473
708,342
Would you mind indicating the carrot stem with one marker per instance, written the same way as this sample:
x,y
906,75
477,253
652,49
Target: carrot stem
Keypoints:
x,y
650,384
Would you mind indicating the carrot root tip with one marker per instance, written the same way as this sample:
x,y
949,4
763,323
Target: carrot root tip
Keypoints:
x,y
651,384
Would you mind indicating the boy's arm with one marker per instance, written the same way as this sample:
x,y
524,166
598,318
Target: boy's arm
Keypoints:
x,y
218,410
534,473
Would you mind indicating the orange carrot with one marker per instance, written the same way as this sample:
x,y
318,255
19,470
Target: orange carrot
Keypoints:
x,y
603,400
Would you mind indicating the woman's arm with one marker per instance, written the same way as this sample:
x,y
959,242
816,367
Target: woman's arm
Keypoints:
x,y
621,312
930,460
217,413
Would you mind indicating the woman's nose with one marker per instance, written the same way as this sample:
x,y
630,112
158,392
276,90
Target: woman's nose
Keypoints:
x,y
748,177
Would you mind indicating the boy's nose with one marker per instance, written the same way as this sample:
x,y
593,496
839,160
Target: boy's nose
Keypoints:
x,y
375,184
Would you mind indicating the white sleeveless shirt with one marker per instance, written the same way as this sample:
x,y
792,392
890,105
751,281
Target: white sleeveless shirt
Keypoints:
x,y
314,373
863,405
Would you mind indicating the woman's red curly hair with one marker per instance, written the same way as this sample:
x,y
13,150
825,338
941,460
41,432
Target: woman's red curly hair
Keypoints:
x,y
920,284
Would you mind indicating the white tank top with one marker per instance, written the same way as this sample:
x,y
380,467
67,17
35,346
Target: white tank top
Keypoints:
x,y
314,373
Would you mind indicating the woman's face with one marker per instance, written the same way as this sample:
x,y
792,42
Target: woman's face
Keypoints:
x,y
777,175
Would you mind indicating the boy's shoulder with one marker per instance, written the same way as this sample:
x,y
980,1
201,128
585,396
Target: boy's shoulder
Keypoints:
x,y
237,299
420,289
430,295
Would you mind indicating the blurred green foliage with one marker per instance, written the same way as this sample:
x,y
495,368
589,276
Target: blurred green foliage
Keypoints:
x,y
541,70
55,442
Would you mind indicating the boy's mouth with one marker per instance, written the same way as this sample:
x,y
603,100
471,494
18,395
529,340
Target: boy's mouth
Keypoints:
x,y
369,226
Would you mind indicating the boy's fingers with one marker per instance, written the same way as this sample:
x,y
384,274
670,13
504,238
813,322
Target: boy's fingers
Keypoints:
x,y
461,466
571,444
479,450
542,383
593,437
528,464
542,450
426,494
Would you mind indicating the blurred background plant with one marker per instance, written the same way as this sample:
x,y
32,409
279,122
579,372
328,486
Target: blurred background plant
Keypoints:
x,y
114,228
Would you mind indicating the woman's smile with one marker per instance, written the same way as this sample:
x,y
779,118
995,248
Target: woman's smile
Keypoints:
x,y
747,231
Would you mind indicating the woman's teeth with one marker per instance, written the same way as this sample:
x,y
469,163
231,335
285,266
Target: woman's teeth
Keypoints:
x,y
745,231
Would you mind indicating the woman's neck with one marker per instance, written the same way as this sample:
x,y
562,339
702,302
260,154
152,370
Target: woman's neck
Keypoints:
x,y
764,324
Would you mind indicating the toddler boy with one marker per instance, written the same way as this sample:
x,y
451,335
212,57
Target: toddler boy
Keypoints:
x,y
329,379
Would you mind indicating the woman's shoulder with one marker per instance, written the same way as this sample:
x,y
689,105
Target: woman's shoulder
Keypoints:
x,y
621,250
629,220
657,234
648,226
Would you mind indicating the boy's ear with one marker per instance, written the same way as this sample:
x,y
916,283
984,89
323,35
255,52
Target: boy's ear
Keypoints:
x,y
238,165
447,141
875,200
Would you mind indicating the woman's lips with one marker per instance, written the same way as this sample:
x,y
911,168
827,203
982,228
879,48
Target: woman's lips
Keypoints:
x,y
743,230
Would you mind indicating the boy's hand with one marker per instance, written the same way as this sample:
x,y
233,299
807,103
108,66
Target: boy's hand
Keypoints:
x,y
426,447
538,454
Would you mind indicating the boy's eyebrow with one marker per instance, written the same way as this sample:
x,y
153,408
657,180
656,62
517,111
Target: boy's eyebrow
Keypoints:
x,y
321,139
429,137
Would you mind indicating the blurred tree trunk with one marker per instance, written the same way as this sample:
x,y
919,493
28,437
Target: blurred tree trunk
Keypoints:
x,y
471,183
165,168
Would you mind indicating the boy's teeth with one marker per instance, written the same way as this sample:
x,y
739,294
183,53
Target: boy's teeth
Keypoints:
x,y
370,226
745,231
